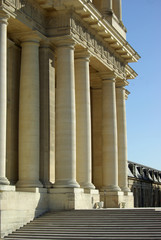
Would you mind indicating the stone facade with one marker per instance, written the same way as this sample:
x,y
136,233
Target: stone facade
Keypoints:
x,y
145,183
63,72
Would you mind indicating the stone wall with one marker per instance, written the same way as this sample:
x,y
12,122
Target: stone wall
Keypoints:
x,y
145,183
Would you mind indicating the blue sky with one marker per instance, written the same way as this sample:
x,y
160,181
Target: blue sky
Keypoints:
x,y
142,18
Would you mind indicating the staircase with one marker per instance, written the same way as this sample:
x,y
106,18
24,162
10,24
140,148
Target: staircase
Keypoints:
x,y
93,224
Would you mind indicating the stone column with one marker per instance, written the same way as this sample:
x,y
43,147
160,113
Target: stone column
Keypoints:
x,y
3,97
83,121
29,114
65,117
109,134
122,137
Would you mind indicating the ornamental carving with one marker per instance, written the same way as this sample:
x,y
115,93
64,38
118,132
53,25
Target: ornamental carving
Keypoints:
x,y
33,11
98,46
30,8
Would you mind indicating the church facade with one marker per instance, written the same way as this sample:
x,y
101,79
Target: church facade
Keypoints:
x,y
63,76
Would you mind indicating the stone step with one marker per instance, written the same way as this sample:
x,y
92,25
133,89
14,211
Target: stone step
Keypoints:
x,y
99,217
94,232
44,228
93,224
113,236
94,235
91,238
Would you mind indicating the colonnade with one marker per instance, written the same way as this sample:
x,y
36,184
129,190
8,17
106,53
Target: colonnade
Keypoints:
x,y
73,154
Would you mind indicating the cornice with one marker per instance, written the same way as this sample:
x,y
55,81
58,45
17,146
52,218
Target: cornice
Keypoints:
x,y
127,93
91,15
105,43
107,31
130,73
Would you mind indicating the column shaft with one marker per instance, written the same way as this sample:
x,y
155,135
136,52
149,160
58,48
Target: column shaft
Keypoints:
x,y
29,116
122,139
83,121
109,136
65,118
3,97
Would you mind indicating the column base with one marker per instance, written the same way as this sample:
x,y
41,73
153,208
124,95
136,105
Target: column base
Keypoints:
x,y
112,199
29,184
66,184
129,199
32,189
72,198
47,184
8,188
110,188
117,199
87,185
4,181
125,189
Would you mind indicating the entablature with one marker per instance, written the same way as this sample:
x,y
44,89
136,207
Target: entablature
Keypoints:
x,y
80,20
38,10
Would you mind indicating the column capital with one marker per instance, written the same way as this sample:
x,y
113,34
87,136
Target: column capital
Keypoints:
x,y
4,17
10,43
108,76
46,44
64,42
121,83
29,36
82,55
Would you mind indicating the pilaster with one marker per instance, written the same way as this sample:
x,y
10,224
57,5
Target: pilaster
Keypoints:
x,y
47,114
106,7
122,135
13,82
3,96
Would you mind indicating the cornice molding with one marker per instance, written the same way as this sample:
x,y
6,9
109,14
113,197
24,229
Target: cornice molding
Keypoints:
x,y
127,93
108,30
84,36
130,73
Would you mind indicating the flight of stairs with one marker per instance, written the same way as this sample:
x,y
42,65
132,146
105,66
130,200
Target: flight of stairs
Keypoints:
x,y
93,224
